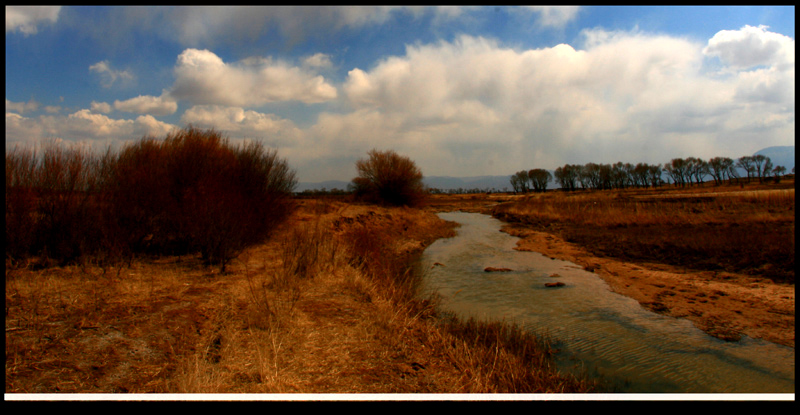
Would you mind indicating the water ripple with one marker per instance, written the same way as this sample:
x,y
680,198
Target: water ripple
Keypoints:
x,y
596,329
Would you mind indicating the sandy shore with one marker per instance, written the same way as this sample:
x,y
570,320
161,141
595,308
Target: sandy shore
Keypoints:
x,y
725,305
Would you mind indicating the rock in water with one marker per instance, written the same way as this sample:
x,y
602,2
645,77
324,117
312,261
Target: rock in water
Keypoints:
x,y
493,269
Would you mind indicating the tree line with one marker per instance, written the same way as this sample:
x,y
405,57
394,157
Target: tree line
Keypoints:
x,y
678,171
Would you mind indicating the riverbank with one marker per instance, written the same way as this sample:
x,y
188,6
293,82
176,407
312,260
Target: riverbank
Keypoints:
x,y
724,303
325,306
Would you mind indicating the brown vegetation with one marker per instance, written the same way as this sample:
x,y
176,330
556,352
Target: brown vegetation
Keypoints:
x,y
389,178
750,232
190,192
721,256
326,305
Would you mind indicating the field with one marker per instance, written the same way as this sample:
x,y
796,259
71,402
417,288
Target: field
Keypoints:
x,y
722,257
328,303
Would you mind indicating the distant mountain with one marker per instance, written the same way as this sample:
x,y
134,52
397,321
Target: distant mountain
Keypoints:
x,y
780,156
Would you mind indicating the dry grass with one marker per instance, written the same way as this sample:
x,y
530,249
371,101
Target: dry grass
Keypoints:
x,y
325,306
743,230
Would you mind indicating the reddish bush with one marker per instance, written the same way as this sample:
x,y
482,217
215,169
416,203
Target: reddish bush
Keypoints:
x,y
50,206
194,192
386,177
190,192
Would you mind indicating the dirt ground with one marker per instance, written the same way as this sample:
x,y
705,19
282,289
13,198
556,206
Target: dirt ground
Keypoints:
x,y
723,304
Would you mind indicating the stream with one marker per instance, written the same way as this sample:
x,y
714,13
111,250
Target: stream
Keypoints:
x,y
598,332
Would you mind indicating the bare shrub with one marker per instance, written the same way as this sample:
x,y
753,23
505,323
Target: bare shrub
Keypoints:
x,y
195,192
51,202
20,201
386,177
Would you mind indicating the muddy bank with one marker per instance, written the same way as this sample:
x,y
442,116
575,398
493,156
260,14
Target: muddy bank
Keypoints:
x,y
723,304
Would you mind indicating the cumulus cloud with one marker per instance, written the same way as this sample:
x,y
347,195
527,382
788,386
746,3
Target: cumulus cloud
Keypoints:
x,y
147,104
26,19
81,126
761,63
22,107
752,46
626,96
244,124
204,79
317,60
109,76
101,107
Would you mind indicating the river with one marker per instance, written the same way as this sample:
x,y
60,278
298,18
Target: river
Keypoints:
x,y
597,331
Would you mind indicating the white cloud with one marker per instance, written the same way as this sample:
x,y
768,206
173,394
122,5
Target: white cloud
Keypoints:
x,y
88,125
148,104
768,85
27,19
245,124
752,46
109,76
628,96
555,16
203,78
101,107
317,60
81,126
22,107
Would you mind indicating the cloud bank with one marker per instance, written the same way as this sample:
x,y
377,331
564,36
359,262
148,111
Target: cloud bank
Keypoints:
x,y
27,19
475,106
469,106
203,78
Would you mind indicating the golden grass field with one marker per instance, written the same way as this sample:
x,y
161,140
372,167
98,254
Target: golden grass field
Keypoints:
x,y
328,303
722,257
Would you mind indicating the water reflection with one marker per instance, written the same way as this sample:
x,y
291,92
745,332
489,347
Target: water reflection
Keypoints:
x,y
596,329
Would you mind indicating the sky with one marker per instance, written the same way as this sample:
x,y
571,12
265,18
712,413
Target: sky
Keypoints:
x,y
461,90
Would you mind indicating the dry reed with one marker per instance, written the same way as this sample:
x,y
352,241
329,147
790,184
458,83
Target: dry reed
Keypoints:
x,y
747,231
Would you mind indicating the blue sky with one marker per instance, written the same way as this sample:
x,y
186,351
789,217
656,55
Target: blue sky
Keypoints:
x,y
463,91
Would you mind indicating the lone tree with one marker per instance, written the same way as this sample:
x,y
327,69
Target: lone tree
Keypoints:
x,y
389,178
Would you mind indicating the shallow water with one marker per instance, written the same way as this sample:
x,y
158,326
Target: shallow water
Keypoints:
x,y
598,331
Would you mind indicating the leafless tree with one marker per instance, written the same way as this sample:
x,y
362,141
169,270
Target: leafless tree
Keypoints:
x,y
718,167
519,181
747,163
567,176
539,178
677,170
778,172
697,169
387,177
762,166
